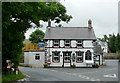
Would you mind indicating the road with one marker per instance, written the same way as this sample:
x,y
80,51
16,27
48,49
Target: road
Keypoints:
x,y
73,74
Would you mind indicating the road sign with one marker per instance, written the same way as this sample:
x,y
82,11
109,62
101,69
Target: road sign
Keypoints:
x,y
40,45
8,66
7,61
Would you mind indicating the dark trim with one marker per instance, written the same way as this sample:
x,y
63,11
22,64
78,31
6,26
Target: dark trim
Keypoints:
x,y
77,43
74,47
53,57
82,56
66,46
71,39
58,43
35,51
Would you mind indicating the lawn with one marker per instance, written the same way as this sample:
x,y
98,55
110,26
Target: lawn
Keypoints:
x,y
12,77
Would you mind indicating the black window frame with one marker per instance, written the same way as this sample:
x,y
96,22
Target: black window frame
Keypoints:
x,y
79,43
53,56
82,56
88,55
58,44
67,57
69,44
37,57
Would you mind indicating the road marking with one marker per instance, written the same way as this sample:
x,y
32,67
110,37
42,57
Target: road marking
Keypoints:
x,y
26,75
111,75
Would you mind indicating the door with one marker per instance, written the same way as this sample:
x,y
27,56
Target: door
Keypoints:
x,y
66,59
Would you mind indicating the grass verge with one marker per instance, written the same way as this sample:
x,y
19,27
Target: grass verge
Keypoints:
x,y
12,77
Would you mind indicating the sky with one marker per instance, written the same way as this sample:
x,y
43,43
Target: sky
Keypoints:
x,y
103,13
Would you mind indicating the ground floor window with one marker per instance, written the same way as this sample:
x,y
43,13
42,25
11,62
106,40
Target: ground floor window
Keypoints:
x,y
88,55
37,57
67,56
56,56
79,56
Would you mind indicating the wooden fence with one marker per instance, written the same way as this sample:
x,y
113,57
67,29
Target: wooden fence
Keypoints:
x,y
33,47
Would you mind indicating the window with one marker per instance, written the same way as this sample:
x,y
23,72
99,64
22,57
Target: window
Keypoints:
x,y
79,43
88,55
56,56
67,43
56,43
67,57
37,57
79,56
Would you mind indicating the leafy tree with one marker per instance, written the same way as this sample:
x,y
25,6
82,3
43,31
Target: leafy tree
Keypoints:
x,y
17,18
36,36
117,43
111,43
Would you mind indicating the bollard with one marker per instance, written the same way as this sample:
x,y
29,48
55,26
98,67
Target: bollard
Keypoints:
x,y
16,71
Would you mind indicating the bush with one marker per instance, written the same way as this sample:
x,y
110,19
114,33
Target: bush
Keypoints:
x,y
97,66
74,65
45,65
73,60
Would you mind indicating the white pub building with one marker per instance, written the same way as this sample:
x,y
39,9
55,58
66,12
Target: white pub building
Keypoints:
x,y
67,45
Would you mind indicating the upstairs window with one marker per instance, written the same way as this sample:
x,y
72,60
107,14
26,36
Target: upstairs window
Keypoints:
x,y
88,55
79,56
67,43
79,43
56,56
56,43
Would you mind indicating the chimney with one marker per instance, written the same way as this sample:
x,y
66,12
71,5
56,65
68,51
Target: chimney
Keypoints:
x,y
89,23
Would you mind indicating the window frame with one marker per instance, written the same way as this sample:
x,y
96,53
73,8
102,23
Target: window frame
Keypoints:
x,y
53,56
79,43
37,57
67,43
82,55
68,57
58,43
88,57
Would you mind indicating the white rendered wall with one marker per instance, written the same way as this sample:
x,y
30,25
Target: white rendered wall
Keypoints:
x,y
26,57
73,43
87,43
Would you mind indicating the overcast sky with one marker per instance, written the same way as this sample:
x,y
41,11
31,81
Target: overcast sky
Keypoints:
x,y
103,13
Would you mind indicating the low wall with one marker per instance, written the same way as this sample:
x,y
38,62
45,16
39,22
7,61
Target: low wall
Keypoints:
x,y
111,55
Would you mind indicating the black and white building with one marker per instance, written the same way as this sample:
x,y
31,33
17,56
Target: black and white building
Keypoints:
x,y
68,45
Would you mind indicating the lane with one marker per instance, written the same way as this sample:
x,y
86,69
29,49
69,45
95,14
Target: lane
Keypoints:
x,y
40,74
73,74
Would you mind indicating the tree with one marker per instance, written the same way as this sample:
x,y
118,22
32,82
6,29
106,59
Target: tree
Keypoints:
x,y
111,43
17,18
117,43
36,36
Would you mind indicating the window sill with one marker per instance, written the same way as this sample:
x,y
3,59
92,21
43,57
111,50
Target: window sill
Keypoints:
x,y
67,61
56,46
79,61
56,61
79,47
67,47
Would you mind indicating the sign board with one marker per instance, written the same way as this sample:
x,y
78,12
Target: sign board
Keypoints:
x,y
48,61
7,61
40,45
8,66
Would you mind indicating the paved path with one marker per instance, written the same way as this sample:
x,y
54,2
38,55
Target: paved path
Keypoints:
x,y
73,74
